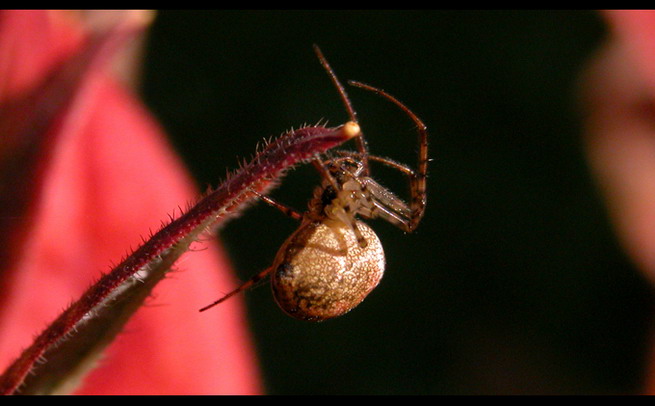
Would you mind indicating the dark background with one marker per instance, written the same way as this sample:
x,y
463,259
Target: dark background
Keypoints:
x,y
512,284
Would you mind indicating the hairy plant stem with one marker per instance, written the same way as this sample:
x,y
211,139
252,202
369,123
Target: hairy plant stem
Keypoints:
x,y
80,333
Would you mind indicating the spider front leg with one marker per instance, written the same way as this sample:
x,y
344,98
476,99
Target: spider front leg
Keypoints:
x,y
383,203
288,211
417,193
418,178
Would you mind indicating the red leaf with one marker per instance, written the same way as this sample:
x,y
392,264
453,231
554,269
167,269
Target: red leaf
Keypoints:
x,y
98,176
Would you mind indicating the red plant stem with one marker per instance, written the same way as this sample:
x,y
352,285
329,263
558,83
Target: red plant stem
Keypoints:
x,y
171,241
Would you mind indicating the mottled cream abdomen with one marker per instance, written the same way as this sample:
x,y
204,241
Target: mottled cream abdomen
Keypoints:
x,y
321,271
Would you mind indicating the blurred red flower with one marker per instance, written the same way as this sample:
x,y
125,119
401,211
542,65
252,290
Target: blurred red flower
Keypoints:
x,y
619,96
85,173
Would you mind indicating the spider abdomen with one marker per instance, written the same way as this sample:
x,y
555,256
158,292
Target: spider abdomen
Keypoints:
x,y
322,272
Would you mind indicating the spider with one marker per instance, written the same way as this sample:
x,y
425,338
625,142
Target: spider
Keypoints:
x,y
334,260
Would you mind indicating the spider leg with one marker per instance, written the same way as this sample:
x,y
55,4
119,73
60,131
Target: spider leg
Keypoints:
x,y
386,214
362,146
244,286
382,202
361,241
417,187
418,184
289,211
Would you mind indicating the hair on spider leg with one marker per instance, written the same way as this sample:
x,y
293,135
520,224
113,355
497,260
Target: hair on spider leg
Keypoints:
x,y
334,260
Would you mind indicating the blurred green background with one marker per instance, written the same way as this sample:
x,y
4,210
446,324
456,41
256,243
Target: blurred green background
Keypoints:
x,y
513,283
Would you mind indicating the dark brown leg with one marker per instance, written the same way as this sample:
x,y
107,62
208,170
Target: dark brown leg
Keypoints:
x,y
288,211
418,184
244,286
